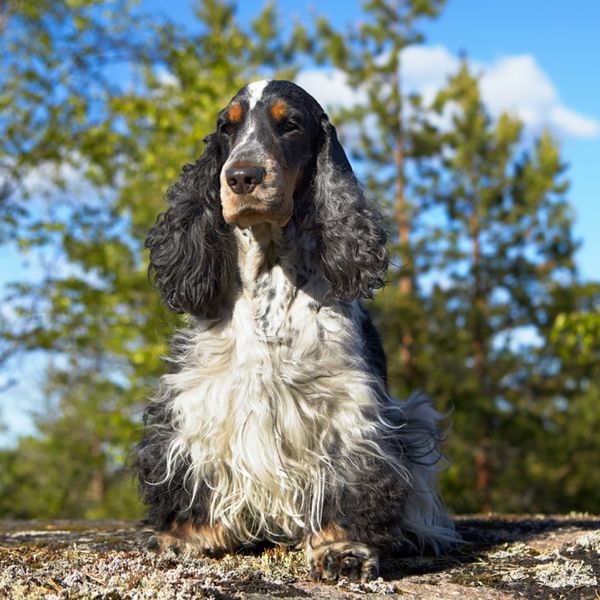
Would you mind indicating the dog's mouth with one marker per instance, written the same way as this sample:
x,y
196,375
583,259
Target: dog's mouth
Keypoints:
x,y
248,210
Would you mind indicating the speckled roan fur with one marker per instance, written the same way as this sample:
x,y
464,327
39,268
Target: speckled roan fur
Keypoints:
x,y
276,422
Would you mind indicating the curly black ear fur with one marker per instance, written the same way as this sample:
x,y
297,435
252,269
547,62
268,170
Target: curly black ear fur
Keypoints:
x,y
192,250
351,236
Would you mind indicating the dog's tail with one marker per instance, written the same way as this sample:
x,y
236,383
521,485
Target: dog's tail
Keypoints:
x,y
426,523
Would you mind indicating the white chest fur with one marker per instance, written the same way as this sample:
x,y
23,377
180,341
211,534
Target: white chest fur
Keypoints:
x,y
263,397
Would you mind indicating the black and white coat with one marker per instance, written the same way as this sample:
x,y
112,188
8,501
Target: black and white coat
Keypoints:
x,y
276,422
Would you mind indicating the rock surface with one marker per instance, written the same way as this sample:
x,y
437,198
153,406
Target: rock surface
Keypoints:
x,y
502,557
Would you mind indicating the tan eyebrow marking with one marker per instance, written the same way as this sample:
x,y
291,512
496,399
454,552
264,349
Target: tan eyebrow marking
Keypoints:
x,y
279,110
234,112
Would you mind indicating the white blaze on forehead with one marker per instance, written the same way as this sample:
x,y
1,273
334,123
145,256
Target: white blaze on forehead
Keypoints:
x,y
255,92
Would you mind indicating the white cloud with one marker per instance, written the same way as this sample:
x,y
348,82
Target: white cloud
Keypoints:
x,y
426,69
166,78
63,182
519,85
516,82
572,124
513,83
42,178
330,88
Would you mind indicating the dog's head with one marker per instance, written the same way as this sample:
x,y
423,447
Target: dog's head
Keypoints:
x,y
273,158
269,133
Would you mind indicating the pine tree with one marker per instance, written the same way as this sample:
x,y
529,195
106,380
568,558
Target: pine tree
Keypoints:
x,y
508,250
370,57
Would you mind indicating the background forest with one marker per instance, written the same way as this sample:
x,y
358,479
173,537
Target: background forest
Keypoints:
x,y
101,105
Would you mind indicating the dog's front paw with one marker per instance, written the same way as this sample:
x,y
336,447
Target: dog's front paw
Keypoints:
x,y
163,542
191,540
334,560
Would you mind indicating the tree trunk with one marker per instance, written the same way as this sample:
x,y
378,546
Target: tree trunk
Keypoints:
x,y
480,313
401,209
96,489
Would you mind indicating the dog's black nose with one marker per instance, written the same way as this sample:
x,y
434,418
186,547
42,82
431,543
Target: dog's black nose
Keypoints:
x,y
243,180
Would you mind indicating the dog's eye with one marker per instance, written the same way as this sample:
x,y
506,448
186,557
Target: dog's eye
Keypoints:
x,y
288,126
227,129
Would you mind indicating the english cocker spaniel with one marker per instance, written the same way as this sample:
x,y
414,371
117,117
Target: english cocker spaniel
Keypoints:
x,y
276,423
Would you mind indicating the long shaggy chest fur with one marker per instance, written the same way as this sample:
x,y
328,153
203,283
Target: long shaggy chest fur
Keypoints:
x,y
266,404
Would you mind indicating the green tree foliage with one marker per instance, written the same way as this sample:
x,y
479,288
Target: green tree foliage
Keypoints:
x,y
94,311
567,478
100,106
509,250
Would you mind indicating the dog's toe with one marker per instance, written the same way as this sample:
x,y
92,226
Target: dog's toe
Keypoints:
x,y
152,542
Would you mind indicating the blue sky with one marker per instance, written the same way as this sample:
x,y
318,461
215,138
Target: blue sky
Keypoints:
x,y
540,58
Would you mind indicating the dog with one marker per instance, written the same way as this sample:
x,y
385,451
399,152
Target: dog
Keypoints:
x,y
276,423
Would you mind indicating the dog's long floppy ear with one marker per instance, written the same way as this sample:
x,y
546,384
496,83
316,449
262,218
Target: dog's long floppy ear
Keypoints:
x,y
192,250
351,234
